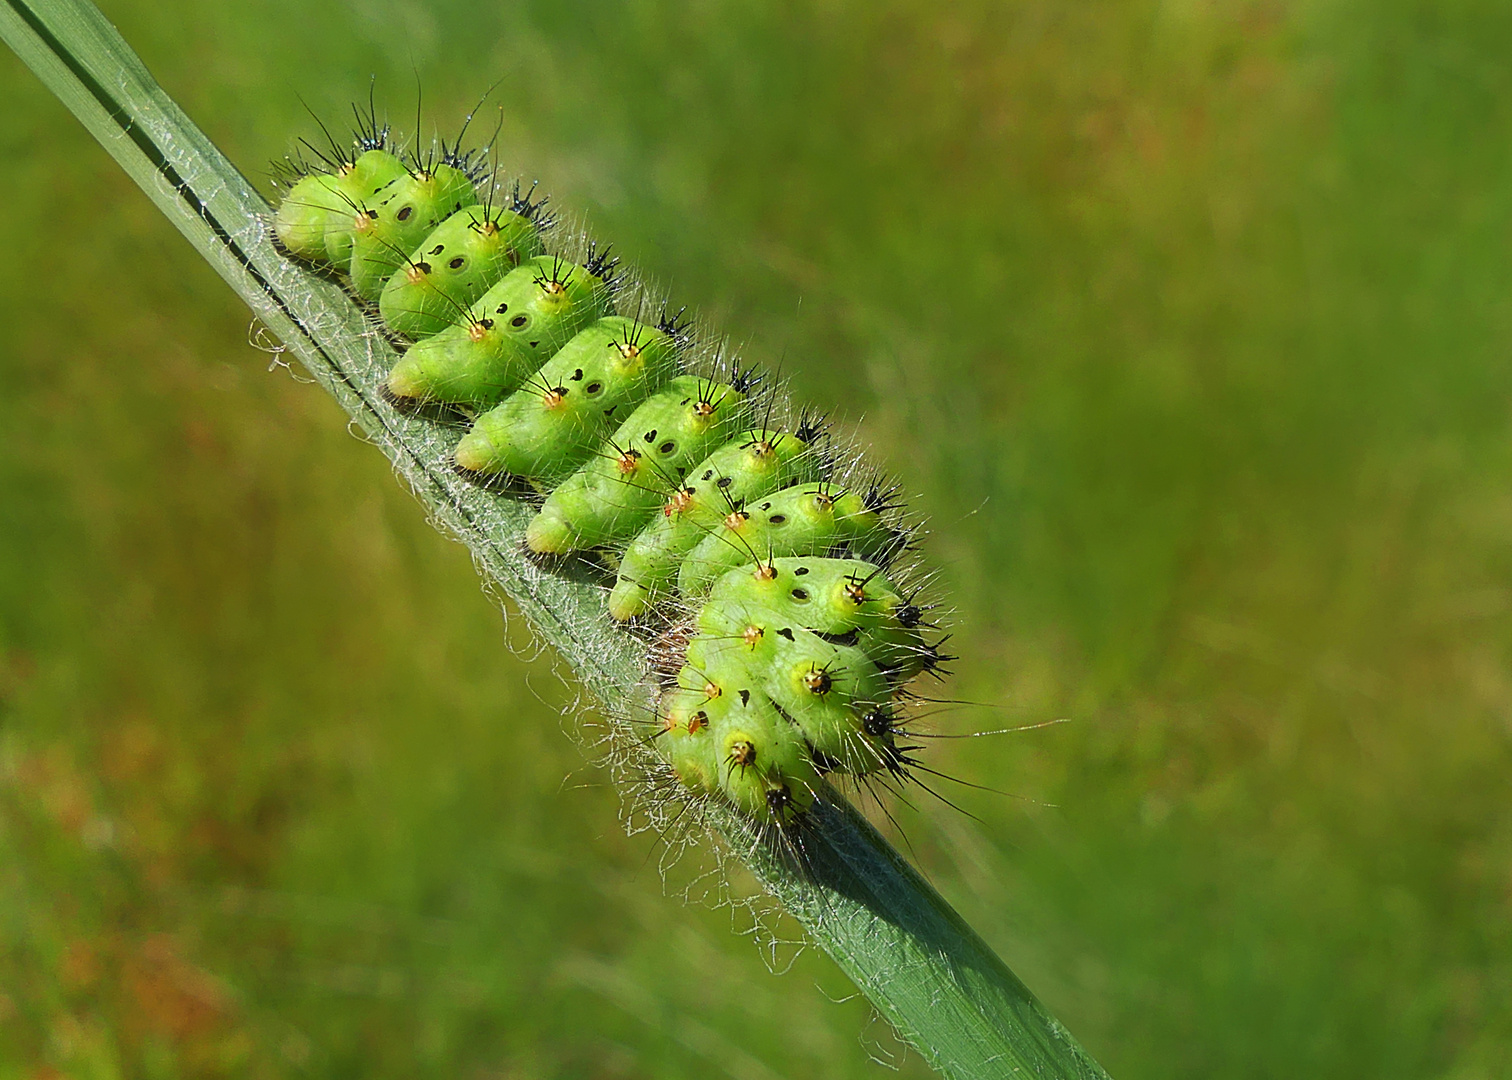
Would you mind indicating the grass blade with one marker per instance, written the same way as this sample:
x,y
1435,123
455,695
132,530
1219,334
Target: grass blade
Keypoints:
x,y
908,951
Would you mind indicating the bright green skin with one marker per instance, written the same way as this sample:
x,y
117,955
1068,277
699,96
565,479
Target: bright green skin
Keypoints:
x,y
747,467
310,210
371,173
397,217
780,758
752,750
826,688
756,632
613,496
315,219
801,520
480,361
547,430
685,739
456,264
829,596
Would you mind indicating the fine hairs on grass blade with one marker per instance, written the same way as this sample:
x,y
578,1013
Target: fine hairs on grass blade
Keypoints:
x,y
923,968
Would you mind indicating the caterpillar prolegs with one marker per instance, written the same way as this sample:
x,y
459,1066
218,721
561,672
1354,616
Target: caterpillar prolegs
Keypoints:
x,y
762,562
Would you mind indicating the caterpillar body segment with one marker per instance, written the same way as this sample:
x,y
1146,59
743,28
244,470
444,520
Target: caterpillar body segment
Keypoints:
x,y
548,428
684,739
800,520
729,738
506,336
317,218
454,266
765,767
311,210
812,637
612,497
748,467
845,600
790,638
822,687
827,595
395,219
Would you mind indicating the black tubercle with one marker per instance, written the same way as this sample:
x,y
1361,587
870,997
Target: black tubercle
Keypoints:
x,y
529,207
745,378
811,426
367,132
778,800
674,325
935,658
600,264
881,495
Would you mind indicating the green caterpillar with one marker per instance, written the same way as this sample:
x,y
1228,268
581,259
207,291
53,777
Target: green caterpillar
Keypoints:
x,y
771,559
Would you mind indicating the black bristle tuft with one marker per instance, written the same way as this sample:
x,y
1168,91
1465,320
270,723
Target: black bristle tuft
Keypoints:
x,y
674,325
745,378
600,264
529,207
367,132
811,427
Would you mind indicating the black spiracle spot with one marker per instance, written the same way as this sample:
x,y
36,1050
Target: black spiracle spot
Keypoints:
x,y
800,595
519,321
666,447
405,213
778,519
594,387
456,264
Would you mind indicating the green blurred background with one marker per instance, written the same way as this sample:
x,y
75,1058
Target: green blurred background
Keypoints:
x,y
1187,321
